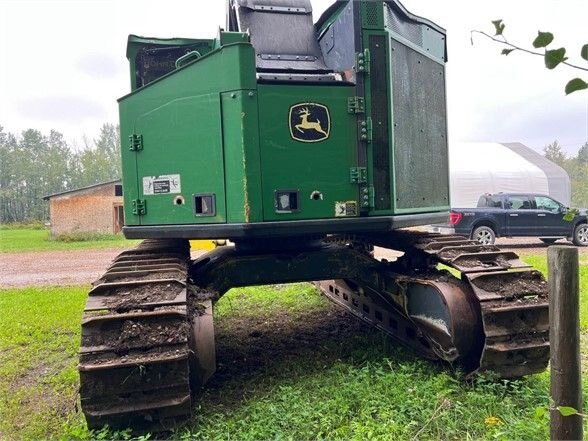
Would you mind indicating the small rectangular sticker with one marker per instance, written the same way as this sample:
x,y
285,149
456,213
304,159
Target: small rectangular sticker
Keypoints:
x,y
346,209
166,184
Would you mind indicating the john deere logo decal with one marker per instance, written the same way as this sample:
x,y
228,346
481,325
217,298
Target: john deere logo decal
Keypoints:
x,y
309,122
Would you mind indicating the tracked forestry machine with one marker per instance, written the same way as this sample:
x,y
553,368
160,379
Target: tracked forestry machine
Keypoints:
x,y
306,145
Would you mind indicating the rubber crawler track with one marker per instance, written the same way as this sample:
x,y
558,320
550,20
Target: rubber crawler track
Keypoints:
x,y
512,299
139,358
135,350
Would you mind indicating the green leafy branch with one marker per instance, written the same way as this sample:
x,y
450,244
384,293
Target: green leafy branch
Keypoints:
x,y
552,57
571,214
542,412
569,411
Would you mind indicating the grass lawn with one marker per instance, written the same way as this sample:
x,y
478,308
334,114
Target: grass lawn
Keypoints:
x,y
24,239
291,366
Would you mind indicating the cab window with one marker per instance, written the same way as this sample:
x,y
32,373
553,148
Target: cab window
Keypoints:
x,y
547,204
519,203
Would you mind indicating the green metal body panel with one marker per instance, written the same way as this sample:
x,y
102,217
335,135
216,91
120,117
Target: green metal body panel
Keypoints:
x,y
242,159
191,154
179,119
311,168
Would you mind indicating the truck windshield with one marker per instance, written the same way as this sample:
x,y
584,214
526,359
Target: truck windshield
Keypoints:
x,y
489,201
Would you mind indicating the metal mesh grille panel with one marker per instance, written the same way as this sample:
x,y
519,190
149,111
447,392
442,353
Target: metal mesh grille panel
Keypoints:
x,y
420,133
371,13
379,113
413,32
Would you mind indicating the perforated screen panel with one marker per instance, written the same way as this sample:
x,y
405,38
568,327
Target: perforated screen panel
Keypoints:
x,y
379,113
373,15
411,31
420,129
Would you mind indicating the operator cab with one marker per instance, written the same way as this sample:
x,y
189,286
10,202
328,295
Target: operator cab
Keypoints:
x,y
284,37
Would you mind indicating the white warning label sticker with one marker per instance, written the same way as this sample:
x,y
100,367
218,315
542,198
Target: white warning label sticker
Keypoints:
x,y
166,184
344,209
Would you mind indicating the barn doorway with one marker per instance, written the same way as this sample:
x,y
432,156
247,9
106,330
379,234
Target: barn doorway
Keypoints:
x,y
119,218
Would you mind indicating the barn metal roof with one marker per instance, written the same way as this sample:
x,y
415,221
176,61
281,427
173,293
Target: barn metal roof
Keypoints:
x,y
101,184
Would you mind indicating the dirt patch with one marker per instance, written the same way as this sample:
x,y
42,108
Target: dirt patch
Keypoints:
x,y
46,367
253,351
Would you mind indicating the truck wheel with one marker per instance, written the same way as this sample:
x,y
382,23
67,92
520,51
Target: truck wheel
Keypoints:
x,y
581,235
484,235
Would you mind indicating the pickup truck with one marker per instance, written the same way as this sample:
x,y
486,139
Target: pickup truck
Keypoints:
x,y
517,214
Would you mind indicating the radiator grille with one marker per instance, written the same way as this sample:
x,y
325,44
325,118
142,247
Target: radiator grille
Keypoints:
x,y
420,129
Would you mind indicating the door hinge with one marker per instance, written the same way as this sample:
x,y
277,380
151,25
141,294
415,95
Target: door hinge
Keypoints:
x,y
355,104
135,143
366,197
358,175
363,62
139,207
371,196
366,130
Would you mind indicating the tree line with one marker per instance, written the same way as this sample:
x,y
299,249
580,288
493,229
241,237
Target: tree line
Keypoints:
x,y
576,167
33,165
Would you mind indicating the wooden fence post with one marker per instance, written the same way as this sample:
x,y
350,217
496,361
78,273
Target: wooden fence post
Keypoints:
x,y
564,337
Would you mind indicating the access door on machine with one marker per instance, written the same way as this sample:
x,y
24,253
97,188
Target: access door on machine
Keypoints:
x,y
308,152
180,162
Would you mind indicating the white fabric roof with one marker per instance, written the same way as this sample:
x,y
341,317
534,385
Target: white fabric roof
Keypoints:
x,y
478,168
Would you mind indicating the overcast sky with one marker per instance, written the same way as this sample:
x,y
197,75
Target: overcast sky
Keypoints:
x,y
63,65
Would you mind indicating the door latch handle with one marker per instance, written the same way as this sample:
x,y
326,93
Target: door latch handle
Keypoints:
x,y
541,215
513,215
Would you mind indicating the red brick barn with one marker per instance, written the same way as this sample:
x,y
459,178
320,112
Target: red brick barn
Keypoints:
x,y
94,209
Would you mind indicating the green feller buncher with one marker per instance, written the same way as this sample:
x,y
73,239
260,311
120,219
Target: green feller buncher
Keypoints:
x,y
306,145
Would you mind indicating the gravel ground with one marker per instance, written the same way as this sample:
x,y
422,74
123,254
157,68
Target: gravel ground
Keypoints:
x,y
55,268
80,267
75,267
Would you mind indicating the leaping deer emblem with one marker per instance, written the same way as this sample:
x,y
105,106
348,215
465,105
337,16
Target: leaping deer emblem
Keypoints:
x,y
305,124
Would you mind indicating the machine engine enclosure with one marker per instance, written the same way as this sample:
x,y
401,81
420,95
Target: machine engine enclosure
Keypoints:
x,y
341,127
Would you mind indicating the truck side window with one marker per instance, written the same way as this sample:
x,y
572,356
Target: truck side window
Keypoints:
x,y
548,204
519,203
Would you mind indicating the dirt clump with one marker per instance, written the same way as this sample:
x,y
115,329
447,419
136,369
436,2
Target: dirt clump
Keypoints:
x,y
514,284
130,297
125,335
154,275
136,334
